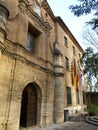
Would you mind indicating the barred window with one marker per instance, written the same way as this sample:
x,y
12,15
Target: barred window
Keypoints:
x,y
30,42
32,39
68,93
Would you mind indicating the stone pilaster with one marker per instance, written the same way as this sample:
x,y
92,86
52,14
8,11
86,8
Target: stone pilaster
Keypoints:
x,y
58,89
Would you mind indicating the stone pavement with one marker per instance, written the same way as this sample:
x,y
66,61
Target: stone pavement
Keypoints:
x,y
71,126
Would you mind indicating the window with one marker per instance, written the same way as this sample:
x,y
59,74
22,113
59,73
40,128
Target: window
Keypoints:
x,y
30,42
79,56
74,50
65,41
66,63
32,39
77,97
84,98
68,93
37,8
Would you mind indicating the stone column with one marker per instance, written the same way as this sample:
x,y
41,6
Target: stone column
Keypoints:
x,y
59,86
4,13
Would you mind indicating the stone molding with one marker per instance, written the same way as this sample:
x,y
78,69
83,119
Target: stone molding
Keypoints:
x,y
4,9
39,20
23,59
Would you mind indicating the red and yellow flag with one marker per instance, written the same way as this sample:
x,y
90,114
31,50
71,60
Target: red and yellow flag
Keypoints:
x,y
74,74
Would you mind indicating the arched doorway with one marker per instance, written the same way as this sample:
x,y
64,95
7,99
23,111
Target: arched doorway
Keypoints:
x,y
29,105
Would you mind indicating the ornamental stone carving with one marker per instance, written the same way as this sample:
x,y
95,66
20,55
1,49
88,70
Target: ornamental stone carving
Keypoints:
x,y
4,14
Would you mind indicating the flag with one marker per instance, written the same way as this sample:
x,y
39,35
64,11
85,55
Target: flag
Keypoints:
x,y
74,74
72,78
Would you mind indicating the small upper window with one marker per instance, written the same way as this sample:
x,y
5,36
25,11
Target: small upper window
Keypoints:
x,y
67,63
65,41
37,8
79,56
68,93
74,50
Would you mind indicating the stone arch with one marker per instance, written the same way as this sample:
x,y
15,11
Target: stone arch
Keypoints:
x,y
31,105
32,80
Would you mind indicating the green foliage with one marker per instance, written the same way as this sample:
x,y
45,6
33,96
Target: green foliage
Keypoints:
x,y
86,7
92,110
90,61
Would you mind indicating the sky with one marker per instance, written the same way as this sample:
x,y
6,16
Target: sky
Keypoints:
x,y
75,24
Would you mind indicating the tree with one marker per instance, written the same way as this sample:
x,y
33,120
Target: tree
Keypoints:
x,y
90,37
86,7
90,61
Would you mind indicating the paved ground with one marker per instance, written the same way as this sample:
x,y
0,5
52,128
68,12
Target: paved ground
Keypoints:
x,y
71,126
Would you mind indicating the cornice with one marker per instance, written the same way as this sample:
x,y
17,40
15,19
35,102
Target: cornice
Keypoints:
x,y
39,20
46,6
23,59
48,9
66,29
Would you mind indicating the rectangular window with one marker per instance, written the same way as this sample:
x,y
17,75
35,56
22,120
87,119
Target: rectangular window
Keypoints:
x,y
65,41
66,63
74,50
77,97
30,42
68,93
32,37
79,56
84,97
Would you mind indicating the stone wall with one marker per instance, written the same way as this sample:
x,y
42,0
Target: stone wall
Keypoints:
x,y
44,68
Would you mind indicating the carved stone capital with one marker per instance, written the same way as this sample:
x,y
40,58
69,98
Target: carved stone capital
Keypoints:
x,y
23,5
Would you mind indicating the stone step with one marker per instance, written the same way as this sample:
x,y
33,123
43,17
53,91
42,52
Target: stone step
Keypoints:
x,y
92,121
96,117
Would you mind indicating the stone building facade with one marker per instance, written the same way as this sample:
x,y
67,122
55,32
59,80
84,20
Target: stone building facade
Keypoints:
x,y
36,51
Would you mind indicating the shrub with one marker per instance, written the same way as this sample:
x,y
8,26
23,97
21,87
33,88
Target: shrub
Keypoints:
x,y
92,110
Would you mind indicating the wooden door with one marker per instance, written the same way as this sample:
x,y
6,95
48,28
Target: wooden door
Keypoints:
x,y
29,107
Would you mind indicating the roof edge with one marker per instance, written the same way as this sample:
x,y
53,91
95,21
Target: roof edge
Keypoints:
x,y
65,28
